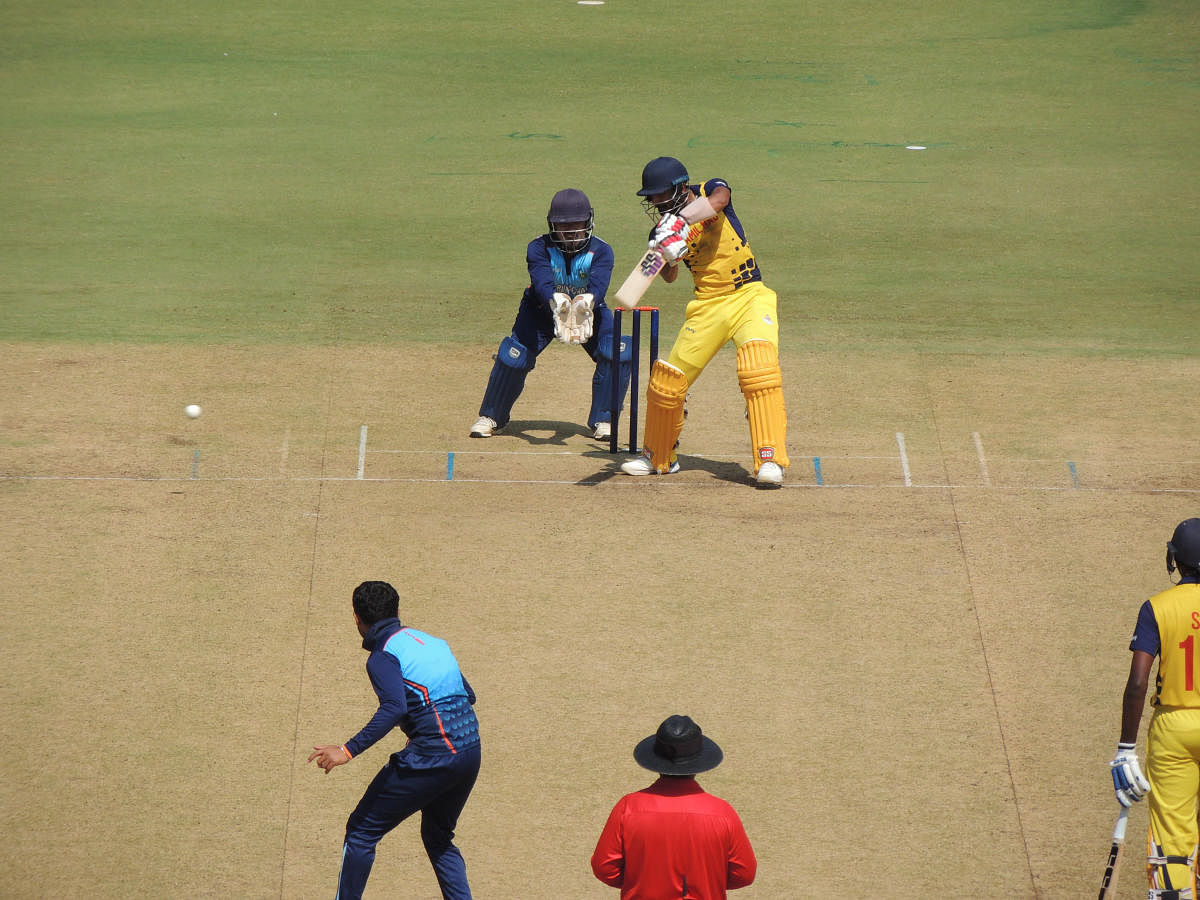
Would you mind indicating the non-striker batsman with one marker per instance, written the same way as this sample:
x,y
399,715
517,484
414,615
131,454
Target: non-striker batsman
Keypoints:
x,y
696,224
1168,628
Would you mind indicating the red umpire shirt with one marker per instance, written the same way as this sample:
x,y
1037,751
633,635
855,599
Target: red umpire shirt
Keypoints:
x,y
674,840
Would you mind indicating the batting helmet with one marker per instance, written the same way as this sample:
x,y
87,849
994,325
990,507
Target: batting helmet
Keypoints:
x,y
570,207
662,174
1183,550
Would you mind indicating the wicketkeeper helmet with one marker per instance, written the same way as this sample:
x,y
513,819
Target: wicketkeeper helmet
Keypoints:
x,y
1183,550
570,207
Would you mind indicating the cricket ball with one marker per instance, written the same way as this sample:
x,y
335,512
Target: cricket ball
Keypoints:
x,y
192,410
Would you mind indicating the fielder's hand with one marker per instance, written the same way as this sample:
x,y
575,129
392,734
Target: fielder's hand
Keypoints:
x,y
1128,781
329,756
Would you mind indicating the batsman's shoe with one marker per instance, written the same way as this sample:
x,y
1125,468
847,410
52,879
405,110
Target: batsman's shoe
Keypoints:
x,y
485,427
770,474
642,466
602,431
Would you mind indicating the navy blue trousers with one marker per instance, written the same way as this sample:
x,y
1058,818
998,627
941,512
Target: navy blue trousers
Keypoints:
x,y
534,330
437,786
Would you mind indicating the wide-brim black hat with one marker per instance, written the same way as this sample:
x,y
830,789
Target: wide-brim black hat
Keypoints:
x,y
679,747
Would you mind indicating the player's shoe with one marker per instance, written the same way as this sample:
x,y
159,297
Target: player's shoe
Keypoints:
x,y
602,431
485,427
770,474
642,466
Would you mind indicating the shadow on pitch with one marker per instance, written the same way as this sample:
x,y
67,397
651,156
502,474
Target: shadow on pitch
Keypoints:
x,y
544,433
721,470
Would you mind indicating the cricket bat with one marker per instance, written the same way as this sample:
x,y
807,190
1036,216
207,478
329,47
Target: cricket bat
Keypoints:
x,y
647,269
1108,886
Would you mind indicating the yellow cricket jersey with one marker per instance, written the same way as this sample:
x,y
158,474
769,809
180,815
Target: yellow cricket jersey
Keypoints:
x,y
719,257
1177,613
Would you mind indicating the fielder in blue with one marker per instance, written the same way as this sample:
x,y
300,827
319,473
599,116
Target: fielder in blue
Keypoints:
x,y
421,689
569,271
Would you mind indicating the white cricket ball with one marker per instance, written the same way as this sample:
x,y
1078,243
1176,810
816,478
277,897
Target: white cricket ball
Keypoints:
x,y
192,410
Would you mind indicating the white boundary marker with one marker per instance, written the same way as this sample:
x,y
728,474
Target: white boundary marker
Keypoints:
x,y
904,459
362,452
983,469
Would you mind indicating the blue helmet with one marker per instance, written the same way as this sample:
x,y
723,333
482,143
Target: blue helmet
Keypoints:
x,y
663,175
1183,550
570,207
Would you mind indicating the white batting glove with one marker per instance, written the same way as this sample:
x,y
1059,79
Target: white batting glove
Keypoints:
x,y
673,248
560,306
668,225
1128,781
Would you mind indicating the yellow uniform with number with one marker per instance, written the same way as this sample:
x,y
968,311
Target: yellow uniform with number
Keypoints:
x,y
1173,739
731,304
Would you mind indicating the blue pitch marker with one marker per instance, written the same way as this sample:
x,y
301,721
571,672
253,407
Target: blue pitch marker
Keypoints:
x,y
450,466
817,469
1074,474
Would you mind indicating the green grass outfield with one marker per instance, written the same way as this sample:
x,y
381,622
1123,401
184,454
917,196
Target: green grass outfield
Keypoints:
x,y
311,218
312,173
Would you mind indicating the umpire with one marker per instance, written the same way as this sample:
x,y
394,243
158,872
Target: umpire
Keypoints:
x,y
421,689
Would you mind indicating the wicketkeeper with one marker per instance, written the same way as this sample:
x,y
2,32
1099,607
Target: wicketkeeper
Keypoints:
x,y
695,224
1168,627
569,272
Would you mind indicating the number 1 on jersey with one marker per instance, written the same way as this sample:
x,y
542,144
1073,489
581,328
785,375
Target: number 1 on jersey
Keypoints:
x,y
1187,645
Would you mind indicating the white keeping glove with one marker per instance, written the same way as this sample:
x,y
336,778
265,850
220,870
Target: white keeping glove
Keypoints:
x,y
1128,781
581,319
560,306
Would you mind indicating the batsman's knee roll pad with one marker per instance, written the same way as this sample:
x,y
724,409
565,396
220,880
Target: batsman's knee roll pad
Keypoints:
x,y
761,381
514,354
758,367
665,396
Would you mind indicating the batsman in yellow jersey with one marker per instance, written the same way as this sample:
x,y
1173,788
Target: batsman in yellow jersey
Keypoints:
x,y
1168,627
696,224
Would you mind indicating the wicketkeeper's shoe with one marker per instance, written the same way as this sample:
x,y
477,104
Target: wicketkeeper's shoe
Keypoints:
x,y
602,432
642,466
485,427
770,474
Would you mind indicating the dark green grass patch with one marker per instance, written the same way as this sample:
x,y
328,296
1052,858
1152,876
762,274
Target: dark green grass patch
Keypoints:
x,y
304,174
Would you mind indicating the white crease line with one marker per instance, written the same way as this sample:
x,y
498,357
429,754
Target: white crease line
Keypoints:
x,y
621,452
904,459
628,482
283,451
983,469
